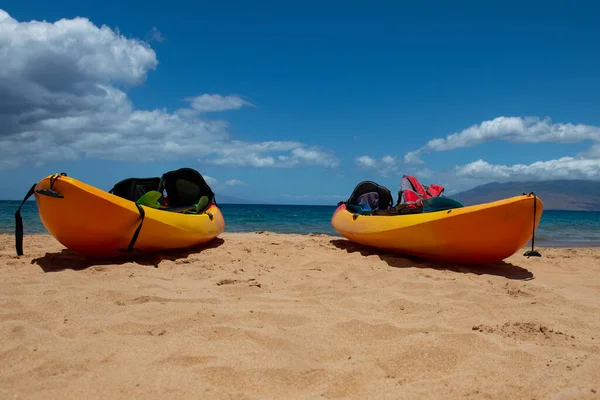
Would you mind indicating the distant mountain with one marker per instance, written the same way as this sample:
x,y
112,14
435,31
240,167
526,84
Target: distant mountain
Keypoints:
x,y
578,195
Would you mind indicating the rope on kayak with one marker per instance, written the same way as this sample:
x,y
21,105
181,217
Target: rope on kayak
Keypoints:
x,y
532,252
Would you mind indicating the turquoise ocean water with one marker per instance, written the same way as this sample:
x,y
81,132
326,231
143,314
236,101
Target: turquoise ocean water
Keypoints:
x,y
557,228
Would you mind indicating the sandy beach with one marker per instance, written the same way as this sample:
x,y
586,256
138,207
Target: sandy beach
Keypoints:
x,y
263,315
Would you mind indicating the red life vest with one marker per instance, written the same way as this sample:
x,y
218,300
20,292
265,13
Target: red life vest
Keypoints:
x,y
411,191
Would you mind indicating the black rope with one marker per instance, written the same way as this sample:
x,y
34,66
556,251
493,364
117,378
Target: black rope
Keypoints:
x,y
532,252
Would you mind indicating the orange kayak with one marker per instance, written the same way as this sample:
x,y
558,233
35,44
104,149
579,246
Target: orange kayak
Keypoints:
x,y
483,233
94,222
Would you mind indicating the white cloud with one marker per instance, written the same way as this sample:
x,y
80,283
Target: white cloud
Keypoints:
x,y
241,154
234,182
210,180
365,161
593,152
70,54
217,102
412,157
61,98
313,156
586,165
562,168
388,160
385,166
512,129
156,35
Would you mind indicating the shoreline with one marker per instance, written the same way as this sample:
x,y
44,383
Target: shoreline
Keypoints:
x,y
541,244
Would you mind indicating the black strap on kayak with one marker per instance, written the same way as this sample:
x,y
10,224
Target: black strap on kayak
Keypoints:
x,y
19,222
532,252
130,248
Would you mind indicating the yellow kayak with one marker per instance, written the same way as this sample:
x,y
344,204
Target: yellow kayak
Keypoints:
x,y
483,233
94,222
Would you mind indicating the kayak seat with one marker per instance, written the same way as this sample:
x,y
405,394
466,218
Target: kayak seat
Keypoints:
x,y
150,199
195,209
185,188
186,191
135,188
370,196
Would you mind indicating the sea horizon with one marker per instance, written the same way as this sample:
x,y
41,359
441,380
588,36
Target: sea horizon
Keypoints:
x,y
557,228
219,203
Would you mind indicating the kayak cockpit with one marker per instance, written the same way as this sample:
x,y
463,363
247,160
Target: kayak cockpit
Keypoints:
x,y
370,198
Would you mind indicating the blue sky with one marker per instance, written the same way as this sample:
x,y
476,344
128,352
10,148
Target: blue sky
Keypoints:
x,y
298,103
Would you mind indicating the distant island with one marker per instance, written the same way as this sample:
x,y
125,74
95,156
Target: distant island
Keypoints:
x,y
575,195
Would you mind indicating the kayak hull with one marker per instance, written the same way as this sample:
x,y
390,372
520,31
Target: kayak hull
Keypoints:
x,y
93,222
483,233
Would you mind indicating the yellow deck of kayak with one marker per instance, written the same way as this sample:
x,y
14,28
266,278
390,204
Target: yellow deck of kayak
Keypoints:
x,y
482,233
94,222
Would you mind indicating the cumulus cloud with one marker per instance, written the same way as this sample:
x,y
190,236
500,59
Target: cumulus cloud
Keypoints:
x,y
593,152
586,165
260,155
385,166
214,183
234,182
313,156
412,157
210,180
370,162
562,168
62,98
217,102
512,129
365,161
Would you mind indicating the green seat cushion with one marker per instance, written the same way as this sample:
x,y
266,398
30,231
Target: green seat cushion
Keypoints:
x,y
202,203
150,199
